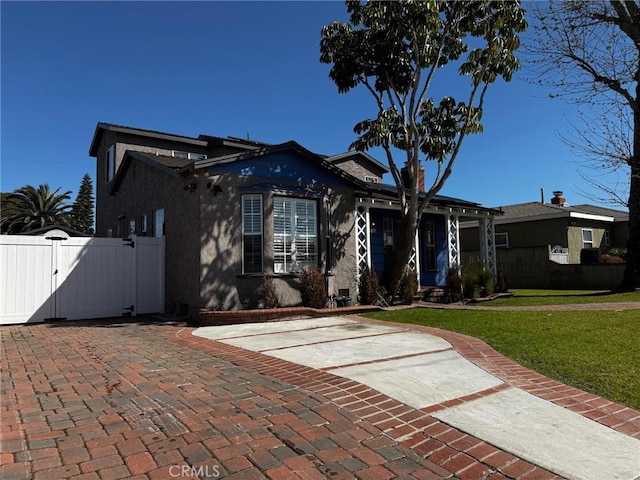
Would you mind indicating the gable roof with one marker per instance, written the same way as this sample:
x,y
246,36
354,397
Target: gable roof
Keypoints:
x,y
531,211
169,165
267,150
104,127
342,157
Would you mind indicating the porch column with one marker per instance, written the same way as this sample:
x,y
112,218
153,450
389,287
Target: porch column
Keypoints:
x,y
363,240
453,241
488,244
414,259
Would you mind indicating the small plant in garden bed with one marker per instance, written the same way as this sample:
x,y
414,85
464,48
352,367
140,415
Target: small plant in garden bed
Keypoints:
x,y
312,288
408,286
269,295
368,287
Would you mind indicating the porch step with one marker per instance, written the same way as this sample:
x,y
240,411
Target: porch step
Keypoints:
x,y
432,294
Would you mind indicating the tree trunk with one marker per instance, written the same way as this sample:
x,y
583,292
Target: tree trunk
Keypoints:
x,y
631,278
402,254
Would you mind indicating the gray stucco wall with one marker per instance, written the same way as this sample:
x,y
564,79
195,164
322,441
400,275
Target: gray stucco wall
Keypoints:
x,y
223,283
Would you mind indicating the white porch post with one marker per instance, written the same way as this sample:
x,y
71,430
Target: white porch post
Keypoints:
x,y
453,241
363,240
488,244
414,263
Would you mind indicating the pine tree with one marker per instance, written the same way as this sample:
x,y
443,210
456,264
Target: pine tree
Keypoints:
x,y
82,210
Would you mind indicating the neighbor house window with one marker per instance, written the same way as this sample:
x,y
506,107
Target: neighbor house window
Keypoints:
x,y
132,226
430,245
587,238
111,163
158,223
143,224
188,155
502,240
295,234
252,233
607,238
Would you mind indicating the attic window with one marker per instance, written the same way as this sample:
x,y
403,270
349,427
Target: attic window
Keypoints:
x,y
370,179
188,155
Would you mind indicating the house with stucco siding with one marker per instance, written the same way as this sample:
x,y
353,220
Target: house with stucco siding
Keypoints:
x,y
234,210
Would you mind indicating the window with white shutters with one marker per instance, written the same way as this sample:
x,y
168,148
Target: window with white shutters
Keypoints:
x,y
252,233
295,232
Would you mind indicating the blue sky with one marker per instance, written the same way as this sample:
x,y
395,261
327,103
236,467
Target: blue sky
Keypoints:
x,y
238,69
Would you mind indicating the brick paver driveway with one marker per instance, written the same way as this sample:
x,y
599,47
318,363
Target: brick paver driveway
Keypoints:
x,y
112,399
126,399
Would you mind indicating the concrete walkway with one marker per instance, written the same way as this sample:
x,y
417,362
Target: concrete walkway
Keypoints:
x,y
548,425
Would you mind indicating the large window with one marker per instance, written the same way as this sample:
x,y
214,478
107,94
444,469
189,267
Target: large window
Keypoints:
x,y
587,238
295,232
111,162
252,233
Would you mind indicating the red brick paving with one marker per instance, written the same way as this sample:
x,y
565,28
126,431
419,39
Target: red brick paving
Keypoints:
x,y
111,399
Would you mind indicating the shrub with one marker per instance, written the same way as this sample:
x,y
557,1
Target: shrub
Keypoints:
x,y
408,286
368,287
269,295
589,256
477,280
502,284
453,285
618,252
312,288
611,259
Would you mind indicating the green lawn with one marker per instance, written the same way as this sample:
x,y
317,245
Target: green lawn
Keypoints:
x,y
596,351
560,297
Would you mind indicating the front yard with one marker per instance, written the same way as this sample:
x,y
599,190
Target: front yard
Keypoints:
x,y
596,351
525,298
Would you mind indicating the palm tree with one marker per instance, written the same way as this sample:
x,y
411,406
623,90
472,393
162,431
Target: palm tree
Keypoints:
x,y
36,208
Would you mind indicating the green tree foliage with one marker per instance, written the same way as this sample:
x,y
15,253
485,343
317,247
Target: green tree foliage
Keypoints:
x,y
589,51
82,209
398,51
36,208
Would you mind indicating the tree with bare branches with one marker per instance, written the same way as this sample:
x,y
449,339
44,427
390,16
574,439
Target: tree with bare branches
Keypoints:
x,y
589,51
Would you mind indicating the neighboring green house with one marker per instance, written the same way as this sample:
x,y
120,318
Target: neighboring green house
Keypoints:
x,y
233,210
527,234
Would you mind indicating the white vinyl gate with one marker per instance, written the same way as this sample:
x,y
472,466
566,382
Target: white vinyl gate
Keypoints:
x,y
79,278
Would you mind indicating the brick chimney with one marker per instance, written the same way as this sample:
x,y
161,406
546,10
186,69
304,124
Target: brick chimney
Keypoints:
x,y
558,199
404,171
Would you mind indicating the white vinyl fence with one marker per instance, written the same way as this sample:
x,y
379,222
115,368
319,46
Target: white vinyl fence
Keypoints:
x,y
79,278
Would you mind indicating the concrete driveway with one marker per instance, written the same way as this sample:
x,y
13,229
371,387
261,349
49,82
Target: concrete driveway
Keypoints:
x,y
425,372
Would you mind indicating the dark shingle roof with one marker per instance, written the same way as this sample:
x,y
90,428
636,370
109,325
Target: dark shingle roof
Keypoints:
x,y
167,161
529,210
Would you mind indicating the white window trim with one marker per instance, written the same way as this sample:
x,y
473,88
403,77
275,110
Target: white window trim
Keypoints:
x,y
585,242
293,264
506,238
